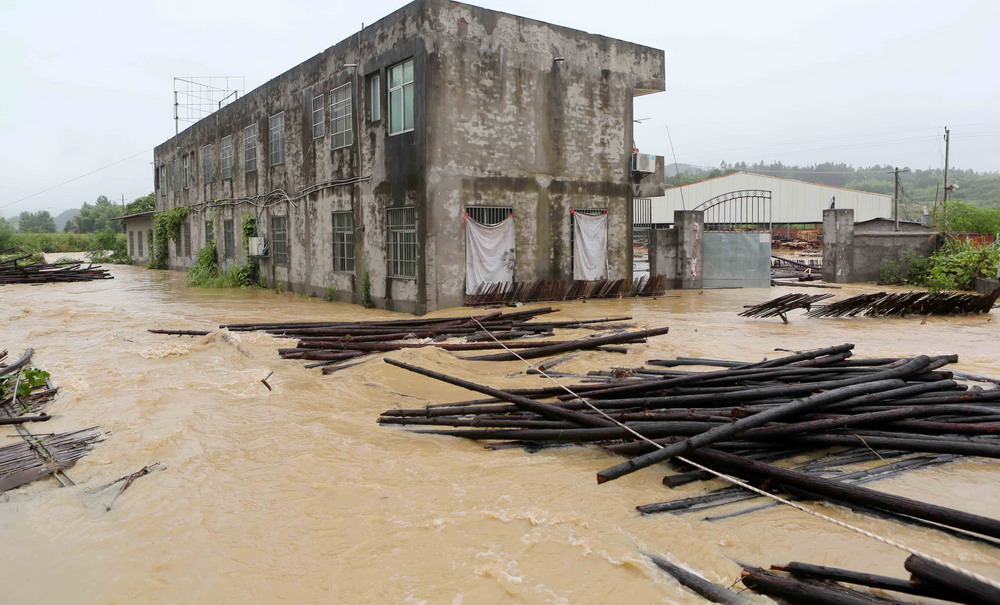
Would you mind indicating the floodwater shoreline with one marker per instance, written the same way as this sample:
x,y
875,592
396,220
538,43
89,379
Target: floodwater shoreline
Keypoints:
x,y
296,494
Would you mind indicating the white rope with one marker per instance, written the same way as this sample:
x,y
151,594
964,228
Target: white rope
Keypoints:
x,y
740,483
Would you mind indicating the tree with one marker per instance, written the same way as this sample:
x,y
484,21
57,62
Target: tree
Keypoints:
x,y
145,203
36,222
6,234
96,217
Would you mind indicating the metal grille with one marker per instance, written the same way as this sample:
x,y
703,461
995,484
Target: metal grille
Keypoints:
x,y
277,138
402,231
207,167
489,215
746,210
319,119
341,131
140,243
186,232
131,243
642,216
209,232
279,240
186,169
226,151
250,148
343,241
229,238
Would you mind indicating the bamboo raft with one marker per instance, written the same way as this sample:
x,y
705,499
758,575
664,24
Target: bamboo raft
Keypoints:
x,y
825,408
16,271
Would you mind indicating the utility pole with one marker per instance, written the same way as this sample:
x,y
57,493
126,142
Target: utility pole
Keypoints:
x,y
944,202
896,196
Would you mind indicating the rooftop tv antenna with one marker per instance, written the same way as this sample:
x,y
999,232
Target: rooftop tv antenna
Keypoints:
x,y
198,96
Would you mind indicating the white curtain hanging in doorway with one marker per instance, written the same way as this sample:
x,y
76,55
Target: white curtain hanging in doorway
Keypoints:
x,y
489,253
590,246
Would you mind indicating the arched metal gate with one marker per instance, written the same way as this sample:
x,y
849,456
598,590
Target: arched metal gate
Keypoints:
x,y
737,249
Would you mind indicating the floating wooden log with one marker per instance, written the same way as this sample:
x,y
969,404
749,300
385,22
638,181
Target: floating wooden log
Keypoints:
x,y
698,584
575,345
939,578
795,591
823,572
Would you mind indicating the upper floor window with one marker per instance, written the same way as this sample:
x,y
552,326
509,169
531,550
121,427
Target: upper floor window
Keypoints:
x,y
340,116
163,179
186,170
175,171
226,156
279,240
277,138
401,97
250,148
207,164
402,232
374,97
343,241
319,117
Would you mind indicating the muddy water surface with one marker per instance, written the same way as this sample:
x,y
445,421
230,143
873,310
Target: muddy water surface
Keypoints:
x,y
296,495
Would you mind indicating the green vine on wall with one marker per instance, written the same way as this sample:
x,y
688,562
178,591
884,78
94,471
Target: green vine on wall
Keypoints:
x,y
166,226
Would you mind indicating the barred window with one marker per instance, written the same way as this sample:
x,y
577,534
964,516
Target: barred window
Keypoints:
x,y
279,240
178,244
140,244
319,117
343,241
229,238
131,243
340,116
402,227
207,166
209,232
277,138
186,236
186,169
401,97
489,215
163,179
375,97
250,148
226,151
175,171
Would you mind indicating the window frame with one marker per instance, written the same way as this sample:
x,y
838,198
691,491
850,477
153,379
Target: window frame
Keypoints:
x,y
276,138
342,116
139,247
175,174
131,243
207,163
375,97
228,238
279,246
226,153
209,231
250,149
401,240
343,241
163,179
186,237
401,90
186,170
319,125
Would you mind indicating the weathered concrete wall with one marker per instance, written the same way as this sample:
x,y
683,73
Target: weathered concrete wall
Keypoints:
x,y
986,286
679,253
498,122
855,256
136,227
663,251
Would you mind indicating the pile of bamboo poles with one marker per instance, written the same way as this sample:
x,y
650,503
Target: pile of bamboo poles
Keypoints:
x,y
889,304
337,345
533,291
778,307
17,271
740,420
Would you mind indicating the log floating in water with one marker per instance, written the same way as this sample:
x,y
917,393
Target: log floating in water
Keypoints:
x,y
698,584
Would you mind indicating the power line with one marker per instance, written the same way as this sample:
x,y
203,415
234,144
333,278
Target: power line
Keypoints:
x,y
96,170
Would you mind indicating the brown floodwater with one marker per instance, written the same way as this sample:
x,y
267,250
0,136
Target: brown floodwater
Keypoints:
x,y
296,495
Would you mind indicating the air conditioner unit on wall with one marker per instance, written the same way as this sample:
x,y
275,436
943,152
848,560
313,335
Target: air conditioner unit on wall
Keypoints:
x,y
643,162
256,247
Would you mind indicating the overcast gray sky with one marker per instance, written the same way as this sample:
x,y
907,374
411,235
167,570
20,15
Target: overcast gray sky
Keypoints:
x,y
88,84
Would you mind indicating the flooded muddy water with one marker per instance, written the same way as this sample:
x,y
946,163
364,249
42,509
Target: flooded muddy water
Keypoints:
x,y
296,495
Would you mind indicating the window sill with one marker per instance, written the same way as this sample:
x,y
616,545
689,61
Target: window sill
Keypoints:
x,y
392,134
403,277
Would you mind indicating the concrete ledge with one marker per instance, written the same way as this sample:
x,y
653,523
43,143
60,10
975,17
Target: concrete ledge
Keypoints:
x,y
986,286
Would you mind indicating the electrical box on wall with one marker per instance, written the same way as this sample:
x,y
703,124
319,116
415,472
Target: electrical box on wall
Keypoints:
x,y
256,247
644,163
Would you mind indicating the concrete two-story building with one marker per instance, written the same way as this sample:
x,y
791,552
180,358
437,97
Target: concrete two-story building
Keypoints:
x,y
369,157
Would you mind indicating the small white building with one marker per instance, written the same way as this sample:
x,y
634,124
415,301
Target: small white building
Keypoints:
x,y
792,201
139,233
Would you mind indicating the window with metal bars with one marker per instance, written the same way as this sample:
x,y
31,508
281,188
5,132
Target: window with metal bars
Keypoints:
x,y
341,129
250,148
402,232
131,243
277,138
175,171
207,167
229,238
489,215
343,241
279,240
178,244
163,179
209,232
186,236
226,156
139,239
186,169
319,117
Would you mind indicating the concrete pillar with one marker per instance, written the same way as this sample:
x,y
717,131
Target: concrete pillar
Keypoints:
x,y
663,256
838,245
690,225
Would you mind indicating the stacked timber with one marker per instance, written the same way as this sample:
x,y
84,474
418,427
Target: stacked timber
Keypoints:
x,y
337,345
534,291
886,304
18,271
740,420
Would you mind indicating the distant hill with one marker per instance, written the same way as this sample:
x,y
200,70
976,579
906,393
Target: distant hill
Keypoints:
x,y
64,217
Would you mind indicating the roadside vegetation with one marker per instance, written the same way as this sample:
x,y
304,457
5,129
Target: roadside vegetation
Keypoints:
x,y
955,266
206,272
